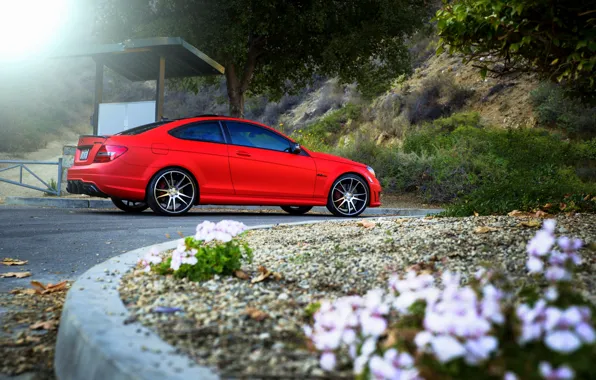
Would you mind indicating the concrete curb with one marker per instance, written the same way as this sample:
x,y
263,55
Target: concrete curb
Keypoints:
x,y
107,204
94,343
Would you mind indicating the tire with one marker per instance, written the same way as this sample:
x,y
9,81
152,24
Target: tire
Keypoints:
x,y
296,210
359,195
130,206
172,192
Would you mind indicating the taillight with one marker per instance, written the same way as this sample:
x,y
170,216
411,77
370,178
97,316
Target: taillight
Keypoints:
x,y
109,153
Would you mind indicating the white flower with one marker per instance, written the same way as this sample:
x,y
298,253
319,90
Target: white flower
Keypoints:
x,y
480,349
327,361
548,372
447,348
562,341
541,244
535,265
551,293
510,376
423,338
549,225
381,369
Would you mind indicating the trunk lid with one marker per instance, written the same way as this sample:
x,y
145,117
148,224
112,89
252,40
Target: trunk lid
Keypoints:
x,y
87,149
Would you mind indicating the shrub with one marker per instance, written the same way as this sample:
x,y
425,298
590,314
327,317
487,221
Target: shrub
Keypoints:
x,y
490,170
438,97
324,132
213,250
556,108
490,328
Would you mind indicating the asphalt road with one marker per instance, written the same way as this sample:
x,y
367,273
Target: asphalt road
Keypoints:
x,y
61,244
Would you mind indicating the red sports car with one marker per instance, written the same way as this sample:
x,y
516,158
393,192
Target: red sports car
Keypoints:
x,y
172,165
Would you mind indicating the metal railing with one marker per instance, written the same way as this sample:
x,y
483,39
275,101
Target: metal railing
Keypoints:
x,y
23,165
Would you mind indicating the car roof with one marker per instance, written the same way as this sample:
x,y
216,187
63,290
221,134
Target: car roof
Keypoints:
x,y
222,117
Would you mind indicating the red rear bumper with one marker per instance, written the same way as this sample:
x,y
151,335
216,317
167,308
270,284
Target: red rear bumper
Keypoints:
x,y
116,179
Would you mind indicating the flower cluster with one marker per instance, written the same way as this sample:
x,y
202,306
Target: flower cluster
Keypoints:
x,y
187,251
466,324
223,231
183,255
458,323
151,258
558,261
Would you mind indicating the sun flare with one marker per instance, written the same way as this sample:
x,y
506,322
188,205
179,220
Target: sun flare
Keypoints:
x,y
29,27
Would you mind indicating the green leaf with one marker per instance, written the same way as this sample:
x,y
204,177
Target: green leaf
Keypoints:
x,y
483,72
555,61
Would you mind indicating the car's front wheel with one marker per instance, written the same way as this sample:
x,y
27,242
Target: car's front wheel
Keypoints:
x,y
348,196
172,192
129,206
296,210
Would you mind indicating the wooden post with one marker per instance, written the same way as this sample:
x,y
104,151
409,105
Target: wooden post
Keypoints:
x,y
98,95
160,91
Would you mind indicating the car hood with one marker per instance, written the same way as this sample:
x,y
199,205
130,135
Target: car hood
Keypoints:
x,y
330,157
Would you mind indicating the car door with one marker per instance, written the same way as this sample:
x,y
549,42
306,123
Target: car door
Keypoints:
x,y
262,165
202,148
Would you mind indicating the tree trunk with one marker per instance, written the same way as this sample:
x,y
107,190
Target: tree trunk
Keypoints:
x,y
237,86
235,93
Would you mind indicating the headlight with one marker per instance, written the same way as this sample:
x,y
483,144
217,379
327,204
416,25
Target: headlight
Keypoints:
x,y
371,170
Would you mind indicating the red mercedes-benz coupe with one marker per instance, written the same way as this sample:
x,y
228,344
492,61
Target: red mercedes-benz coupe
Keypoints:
x,y
172,165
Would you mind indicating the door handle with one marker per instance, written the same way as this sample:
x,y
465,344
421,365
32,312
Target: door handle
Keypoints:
x,y
242,153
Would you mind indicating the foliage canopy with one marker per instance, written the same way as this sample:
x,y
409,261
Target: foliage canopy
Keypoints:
x,y
275,46
554,38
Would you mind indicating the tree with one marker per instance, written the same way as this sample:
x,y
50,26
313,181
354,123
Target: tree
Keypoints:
x,y
553,38
275,46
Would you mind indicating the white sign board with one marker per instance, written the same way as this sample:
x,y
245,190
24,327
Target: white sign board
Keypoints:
x,y
118,117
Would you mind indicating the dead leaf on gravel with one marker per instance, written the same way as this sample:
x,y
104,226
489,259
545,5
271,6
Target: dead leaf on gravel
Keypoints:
x,y
49,288
541,214
15,274
8,261
475,213
367,224
265,274
484,229
532,223
517,213
241,275
256,314
44,325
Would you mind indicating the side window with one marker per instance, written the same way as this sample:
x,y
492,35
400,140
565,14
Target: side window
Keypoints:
x,y
257,137
206,131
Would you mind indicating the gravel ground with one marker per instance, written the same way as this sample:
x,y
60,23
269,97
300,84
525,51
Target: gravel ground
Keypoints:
x,y
254,330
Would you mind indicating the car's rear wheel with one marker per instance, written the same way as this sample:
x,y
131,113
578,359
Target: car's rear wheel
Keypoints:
x,y
172,192
296,210
129,206
348,196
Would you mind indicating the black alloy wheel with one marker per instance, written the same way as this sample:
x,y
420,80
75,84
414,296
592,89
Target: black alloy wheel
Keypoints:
x,y
172,192
349,196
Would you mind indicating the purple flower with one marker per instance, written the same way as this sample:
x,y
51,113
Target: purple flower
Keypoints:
x,y
585,332
556,274
510,376
541,244
535,265
447,348
549,373
562,341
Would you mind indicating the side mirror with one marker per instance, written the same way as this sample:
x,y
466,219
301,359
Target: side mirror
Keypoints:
x,y
295,148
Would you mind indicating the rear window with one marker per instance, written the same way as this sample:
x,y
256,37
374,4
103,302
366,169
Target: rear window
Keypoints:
x,y
143,128
209,131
